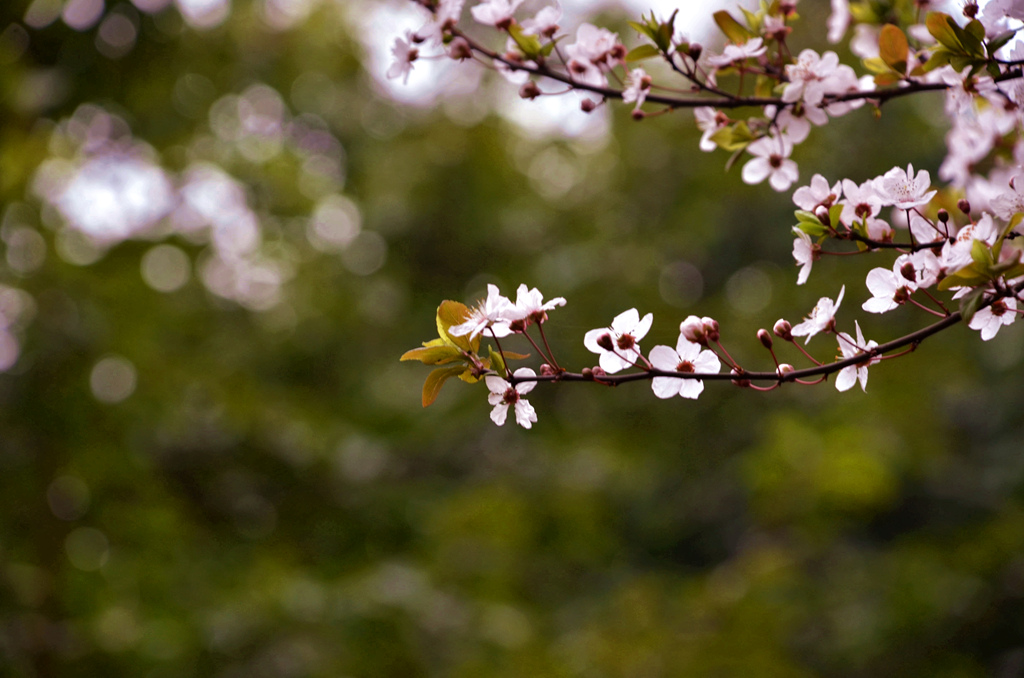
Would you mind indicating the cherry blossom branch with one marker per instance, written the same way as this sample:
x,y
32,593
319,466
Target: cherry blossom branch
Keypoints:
x,y
912,340
723,101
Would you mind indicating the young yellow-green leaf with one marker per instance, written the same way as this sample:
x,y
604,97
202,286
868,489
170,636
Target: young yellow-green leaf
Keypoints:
x,y
497,363
528,44
433,355
940,26
435,380
732,28
449,314
645,51
877,66
969,276
981,254
511,355
893,48
976,29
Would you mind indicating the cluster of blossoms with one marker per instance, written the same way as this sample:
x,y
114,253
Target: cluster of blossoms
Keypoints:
x,y
942,257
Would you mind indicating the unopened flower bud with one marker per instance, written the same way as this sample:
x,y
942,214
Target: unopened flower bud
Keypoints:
x,y
459,49
618,52
963,206
547,370
710,328
696,49
742,383
784,369
823,217
638,114
693,330
908,272
587,373
783,329
605,342
764,338
529,90
970,9
943,215
587,105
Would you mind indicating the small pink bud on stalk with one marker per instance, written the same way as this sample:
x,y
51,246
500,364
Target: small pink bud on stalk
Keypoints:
x,y
696,49
638,114
765,338
784,369
693,329
783,329
587,105
943,215
908,272
710,328
529,90
587,373
547,370
605,342
460,49
963,206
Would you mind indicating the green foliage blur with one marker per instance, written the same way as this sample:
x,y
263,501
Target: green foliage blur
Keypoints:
x,y
195,484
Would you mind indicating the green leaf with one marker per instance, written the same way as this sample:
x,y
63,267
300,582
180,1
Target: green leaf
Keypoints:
x,y
753,20
433,355
834,214
969,304
497,362
975,29
528,44
645,51
808,217
435,380
641,28
969,276
939,58
665,31
732,28
981,254
993,45
812,229
940,26
877,66
893,48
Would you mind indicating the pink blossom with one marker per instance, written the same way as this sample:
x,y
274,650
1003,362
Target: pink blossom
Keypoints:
x,y
771,161
851,374
904,190
803,252
404,54
989,319
502,394
687,358
809,77
818,193
491,313
495,12
733,53
822,317
619,344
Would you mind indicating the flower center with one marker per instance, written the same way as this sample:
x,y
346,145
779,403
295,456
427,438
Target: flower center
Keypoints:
x,y
685,366
626,342
511,396
775,161
998,307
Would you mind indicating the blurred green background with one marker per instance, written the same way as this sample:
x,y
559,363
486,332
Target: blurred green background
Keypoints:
x,y
220,231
